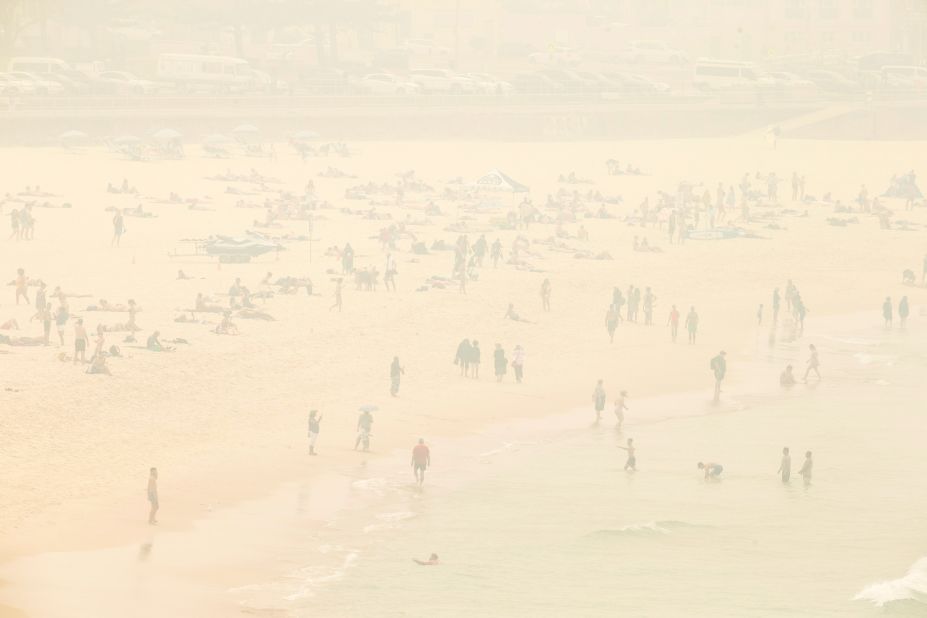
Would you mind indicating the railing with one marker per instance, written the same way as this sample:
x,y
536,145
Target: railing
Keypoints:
x,y
270,102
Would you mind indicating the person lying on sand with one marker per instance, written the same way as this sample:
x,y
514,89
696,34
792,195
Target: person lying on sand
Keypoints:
x,y
21,341
202,305
432,561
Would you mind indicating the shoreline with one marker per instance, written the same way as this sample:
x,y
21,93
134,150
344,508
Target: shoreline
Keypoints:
x,y
526,429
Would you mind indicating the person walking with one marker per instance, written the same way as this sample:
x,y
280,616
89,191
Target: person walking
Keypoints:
x,y
692,324
813,363
314,422
518,363
395,373
153,503
421,460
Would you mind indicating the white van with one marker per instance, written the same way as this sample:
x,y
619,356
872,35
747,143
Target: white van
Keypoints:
x,y
722,73
904,76
214,72
37,65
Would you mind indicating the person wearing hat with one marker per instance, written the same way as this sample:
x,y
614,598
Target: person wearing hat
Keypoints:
x,y
719,367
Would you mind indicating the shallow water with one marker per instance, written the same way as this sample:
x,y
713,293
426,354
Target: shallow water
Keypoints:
x,y
537,517
543,521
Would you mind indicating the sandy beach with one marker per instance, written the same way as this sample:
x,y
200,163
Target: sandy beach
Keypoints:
x,y
223,417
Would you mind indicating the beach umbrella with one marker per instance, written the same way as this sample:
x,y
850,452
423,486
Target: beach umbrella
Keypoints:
x,y
246,128
72,136
368,408
167,135
305,135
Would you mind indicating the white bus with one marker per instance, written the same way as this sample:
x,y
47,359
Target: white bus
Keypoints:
x,y
721,73
223,73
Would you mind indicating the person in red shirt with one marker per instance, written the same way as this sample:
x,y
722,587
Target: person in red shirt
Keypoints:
x,y
673,322
421,459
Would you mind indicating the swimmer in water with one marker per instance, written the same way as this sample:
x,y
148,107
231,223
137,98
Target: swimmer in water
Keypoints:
x,y
432,561
712,470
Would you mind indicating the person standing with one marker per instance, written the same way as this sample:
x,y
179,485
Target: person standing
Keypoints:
x,y
759,315
500,362
611,322
395,372
475,360
364,425
119,228
337,304
80,341
650,301
903,311
518,363
631,463
719,367
813,363
806,468
887,311
153,497
22,286
785,465
673,322
620,408
692,324
314,422
389,277
599,398
775,305
421,460
545,294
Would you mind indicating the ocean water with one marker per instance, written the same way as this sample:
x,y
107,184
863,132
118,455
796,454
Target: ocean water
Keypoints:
x,y
540,519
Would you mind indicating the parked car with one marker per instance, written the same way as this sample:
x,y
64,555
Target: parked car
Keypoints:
x,y
904,77
637,85
556,56
326,81
536,83
11,86
654,52
571,81
487,84
387,83
784,79
443,81
126,83
832,81
39,84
